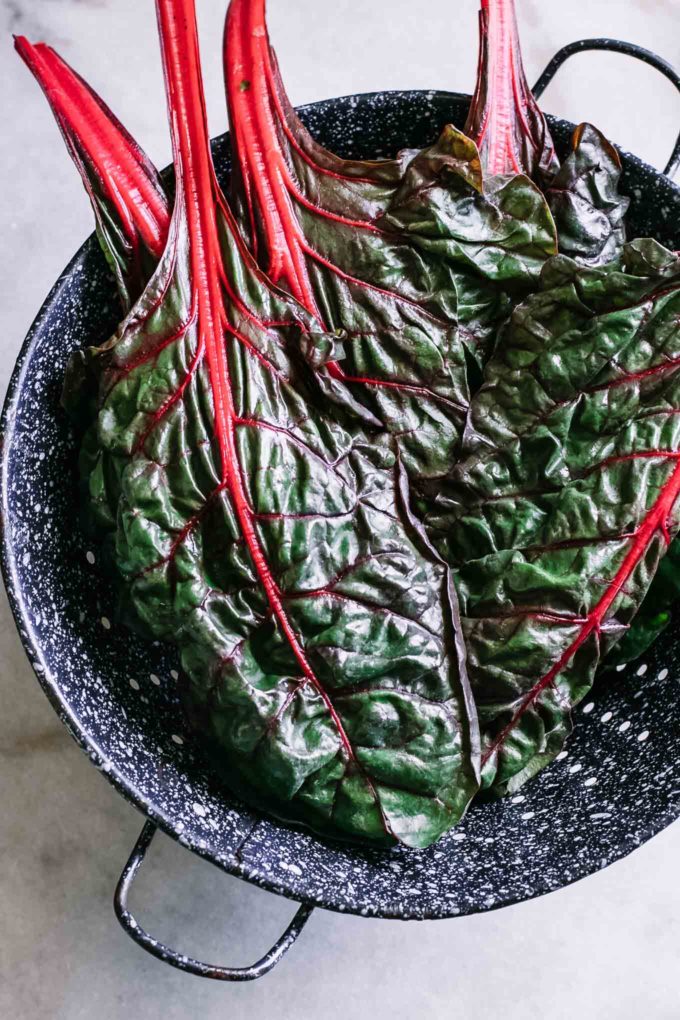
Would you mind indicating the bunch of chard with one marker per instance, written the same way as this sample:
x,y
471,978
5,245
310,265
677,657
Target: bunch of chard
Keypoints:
x,y
388,584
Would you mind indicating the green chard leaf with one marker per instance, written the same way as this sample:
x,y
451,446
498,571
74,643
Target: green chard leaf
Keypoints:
x,y
585,200
496,232
318,629
588,208
566,495
405,258
513,138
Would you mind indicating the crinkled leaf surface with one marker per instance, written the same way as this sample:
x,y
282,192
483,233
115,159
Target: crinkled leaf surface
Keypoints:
x,y
343,236
318,628
584,198
566,496
497,232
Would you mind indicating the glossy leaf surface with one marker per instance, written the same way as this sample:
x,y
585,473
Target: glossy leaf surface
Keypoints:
x,y
566,496
318,628
395,255
584,198
497,232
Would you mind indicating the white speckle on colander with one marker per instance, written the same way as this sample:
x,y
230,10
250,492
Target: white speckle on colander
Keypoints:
x,y
177,739
607,717
643,736
174,674
575,768
620,669
663,674
519,799
642,670
528,815
562,755
199,810
134,684
625,726
587,709
591,782
106,623
90,557
155,680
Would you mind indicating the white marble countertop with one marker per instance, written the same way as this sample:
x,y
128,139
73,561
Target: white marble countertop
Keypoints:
x,y
606,948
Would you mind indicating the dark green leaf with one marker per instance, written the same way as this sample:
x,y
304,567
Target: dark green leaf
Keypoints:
x,y
566,495
388,252
496,234
585,200
318,629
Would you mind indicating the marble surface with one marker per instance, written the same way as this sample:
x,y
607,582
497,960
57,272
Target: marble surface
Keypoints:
x,y
605,948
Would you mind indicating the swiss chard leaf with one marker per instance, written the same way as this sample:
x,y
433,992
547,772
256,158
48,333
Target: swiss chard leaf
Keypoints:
x,y
584,198
130,205
566,495
498,234
513,137
394,254
318,629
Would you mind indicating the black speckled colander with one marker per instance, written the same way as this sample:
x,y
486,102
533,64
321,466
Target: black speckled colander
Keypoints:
x,y
616,785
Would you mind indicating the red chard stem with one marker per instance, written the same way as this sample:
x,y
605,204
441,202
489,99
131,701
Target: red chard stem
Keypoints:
x,y
505,120
94,135
198,199
122,183
256,123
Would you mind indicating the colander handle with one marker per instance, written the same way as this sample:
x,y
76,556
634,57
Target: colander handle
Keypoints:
x,y
179,960
614,46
